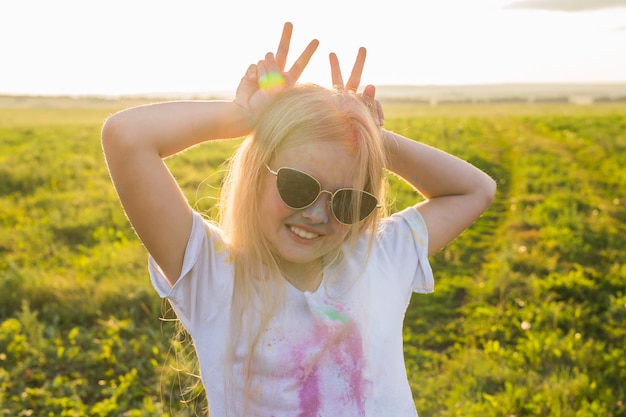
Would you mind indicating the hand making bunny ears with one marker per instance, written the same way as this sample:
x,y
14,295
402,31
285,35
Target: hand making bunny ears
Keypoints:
x,y
268,76
369,92
271,71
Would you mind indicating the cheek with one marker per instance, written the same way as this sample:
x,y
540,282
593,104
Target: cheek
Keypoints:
x,y
272,206
340,231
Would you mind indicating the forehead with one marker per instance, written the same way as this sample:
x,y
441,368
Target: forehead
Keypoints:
x,y
333,164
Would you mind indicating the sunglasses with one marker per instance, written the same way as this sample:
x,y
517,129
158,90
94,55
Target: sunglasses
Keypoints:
x,y
299,190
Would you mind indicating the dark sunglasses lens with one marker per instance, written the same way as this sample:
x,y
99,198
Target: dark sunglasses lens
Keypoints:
x,y
296,188
343,205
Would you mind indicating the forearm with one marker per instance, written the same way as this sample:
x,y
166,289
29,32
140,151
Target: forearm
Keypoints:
x,y
456,192
168,128
432,172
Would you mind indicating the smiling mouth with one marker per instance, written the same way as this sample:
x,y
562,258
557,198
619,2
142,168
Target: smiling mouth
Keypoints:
x,y
303,233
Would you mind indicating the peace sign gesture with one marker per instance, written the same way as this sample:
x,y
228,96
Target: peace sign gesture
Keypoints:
x,y
264,79
369,92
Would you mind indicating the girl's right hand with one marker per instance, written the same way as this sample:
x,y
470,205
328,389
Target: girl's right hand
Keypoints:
x,y
250,97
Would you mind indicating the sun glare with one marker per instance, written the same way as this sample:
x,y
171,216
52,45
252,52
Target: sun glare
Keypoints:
x,y
196,46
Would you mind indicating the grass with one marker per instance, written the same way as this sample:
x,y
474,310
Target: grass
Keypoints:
x,y
530,303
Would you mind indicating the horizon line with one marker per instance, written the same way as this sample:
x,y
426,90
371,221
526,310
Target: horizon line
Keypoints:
x,y
378,86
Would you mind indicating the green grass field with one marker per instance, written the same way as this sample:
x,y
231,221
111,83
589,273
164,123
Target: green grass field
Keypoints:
x,y
528,317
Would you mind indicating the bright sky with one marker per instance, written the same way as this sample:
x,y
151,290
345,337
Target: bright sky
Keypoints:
x,y
155,46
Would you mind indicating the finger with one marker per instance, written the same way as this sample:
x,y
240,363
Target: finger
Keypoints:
x,y
335,72
369,98
303,60
369,95
357,70
283,46
251,73
269,76
262,70
249,82
270,63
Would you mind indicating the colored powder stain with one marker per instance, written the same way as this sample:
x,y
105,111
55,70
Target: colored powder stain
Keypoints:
x,y
340,348
334,315
354,349
309,396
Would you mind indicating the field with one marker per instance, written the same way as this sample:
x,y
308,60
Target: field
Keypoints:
x,y
528,317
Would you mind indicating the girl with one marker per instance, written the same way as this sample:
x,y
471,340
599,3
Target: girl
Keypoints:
x,y
295,297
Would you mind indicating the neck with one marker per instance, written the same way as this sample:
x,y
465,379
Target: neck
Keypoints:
x,y
304,277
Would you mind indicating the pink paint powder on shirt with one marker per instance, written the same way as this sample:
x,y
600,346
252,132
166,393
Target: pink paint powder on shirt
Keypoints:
x,y
336,346
309,396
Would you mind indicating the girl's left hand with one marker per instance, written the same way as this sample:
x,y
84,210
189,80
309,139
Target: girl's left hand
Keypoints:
x,y
268,76
369,92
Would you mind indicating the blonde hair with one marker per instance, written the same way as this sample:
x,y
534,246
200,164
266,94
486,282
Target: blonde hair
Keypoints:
x,y
305,113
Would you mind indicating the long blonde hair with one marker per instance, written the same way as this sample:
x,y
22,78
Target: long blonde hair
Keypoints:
x,y
304,113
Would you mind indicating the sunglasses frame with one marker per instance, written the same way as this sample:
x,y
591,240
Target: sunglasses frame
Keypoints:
x,y
320,192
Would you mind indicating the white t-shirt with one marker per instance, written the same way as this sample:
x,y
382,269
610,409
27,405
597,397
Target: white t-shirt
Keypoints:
x,y
334,352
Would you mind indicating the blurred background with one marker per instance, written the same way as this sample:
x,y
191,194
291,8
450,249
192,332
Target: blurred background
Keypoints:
x,y
195,47
527,317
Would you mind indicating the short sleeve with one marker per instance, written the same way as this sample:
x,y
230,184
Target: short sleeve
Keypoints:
x,y
405,243
205,282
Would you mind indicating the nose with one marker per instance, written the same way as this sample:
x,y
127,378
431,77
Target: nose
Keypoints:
x,y
319,211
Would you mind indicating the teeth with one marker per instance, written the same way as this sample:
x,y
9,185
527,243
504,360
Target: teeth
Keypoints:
x,y
303,233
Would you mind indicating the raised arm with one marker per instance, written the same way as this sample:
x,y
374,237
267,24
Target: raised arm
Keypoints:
x,y
135,142
456,192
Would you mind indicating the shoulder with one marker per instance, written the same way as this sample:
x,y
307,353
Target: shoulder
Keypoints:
x,y
399,229
400,251
406,224
206,253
